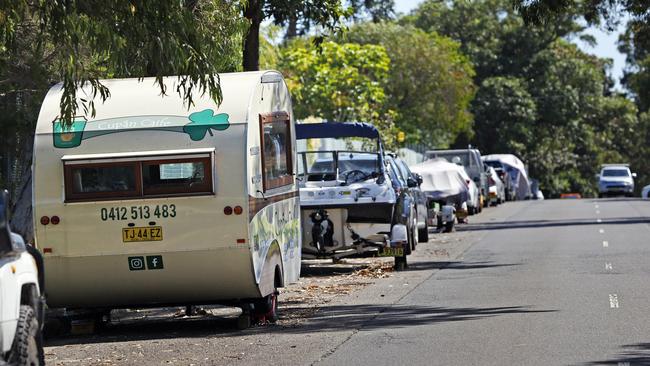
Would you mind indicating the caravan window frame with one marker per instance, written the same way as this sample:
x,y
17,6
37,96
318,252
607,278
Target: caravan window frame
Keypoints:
x,y
138,164
285,180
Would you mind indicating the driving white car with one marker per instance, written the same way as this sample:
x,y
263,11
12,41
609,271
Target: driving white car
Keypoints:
x,y
615,179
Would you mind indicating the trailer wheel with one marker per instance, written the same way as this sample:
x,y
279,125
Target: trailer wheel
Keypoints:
x,y
449,226
244,321
27,348
400,263
423,234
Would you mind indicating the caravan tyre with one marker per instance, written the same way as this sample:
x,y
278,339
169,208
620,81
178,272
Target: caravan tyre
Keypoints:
x,y
27,348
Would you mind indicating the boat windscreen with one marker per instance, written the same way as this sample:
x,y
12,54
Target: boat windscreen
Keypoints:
x,y
348,166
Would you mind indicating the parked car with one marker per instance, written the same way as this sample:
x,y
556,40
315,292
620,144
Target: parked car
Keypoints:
x,y
21,302
497,189
352,201
645,193
420,198
516,170
503,175
470,159
615,179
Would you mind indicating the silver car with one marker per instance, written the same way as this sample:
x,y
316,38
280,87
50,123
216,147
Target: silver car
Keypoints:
x,y
615,179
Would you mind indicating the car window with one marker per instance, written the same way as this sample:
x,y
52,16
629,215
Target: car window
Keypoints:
x,y
403,169
616,173
396,173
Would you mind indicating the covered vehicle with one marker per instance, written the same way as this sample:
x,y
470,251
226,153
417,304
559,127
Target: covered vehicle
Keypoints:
x,y
470,159
443,186
516,170
349,205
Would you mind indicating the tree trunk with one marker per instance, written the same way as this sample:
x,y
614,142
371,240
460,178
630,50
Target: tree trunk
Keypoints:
x,y
253,12
292,28
22,220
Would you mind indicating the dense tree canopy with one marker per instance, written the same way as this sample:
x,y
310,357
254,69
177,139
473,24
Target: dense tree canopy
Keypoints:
x,y
338,82
430,81
539,96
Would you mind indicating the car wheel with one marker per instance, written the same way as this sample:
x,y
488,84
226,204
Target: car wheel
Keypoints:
x,y
27,348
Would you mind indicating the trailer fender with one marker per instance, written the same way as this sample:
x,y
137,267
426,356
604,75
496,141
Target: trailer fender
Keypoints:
x,y
272,270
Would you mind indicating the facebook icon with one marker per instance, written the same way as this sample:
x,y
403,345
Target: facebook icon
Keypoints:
x,y
154,262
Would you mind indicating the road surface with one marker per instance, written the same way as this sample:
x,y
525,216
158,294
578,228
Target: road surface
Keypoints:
x,y
556,282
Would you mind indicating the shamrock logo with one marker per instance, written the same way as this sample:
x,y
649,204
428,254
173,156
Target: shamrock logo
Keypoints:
x,y
203,122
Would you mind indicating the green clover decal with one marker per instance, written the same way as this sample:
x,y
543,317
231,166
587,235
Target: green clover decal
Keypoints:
x,y
203,122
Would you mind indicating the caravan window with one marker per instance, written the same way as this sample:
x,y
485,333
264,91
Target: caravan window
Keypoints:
x,y
101,180
176,176
276,150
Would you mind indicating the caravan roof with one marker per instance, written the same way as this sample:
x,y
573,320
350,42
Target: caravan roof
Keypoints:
x,y
141,99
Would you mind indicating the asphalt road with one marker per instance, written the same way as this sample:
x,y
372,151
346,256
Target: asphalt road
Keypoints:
x,y
528,283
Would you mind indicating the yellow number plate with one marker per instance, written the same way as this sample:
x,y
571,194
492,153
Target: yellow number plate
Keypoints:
x,y
391,252
151,233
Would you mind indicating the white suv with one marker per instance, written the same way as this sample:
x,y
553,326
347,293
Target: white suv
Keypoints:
x,y
21,303
616,179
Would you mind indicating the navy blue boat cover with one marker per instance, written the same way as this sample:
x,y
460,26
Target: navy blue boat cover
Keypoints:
x,y
335,130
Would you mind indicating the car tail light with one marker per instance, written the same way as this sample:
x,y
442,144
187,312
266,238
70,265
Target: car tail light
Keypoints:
x,y
227,210
45,220
55,220
238,210
47,250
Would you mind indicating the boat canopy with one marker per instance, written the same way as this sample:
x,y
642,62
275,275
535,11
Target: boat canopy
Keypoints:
x,y
335,130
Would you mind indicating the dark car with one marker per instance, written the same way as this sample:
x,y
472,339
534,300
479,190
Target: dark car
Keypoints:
x,y
408,183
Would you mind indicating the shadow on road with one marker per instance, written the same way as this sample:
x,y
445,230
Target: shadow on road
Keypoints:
x,y
633,354
427,265
325,319
531,224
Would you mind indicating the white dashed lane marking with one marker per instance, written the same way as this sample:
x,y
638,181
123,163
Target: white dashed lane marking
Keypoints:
x,y
613,301
605,244
599,221
597,212
596,206
608,266
602,231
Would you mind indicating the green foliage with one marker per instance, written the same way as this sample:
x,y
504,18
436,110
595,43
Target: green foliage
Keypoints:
x,y
338,82
504,111
539,96
430,82
87,40
78,43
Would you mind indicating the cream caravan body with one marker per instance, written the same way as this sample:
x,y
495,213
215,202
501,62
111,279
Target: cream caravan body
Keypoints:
x,y
151,203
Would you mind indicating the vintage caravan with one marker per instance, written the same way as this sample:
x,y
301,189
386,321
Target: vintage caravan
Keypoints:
x,y
152,203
